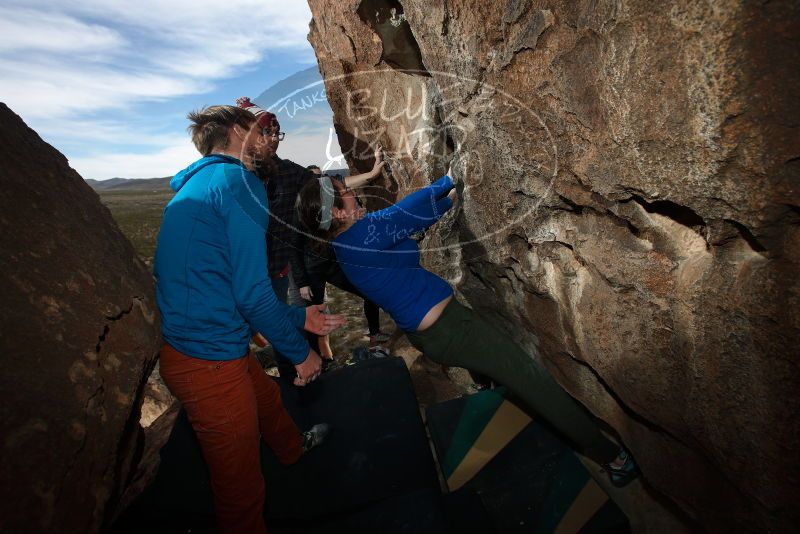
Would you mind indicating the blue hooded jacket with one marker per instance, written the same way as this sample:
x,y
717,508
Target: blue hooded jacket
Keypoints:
x,y
212,286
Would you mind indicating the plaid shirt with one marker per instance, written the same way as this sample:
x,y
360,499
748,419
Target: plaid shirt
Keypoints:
x,y
283,184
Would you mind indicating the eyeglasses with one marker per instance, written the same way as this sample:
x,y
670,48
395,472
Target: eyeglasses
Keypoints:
x,y
267,133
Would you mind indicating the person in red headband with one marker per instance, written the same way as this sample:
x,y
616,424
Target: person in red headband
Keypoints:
x,y
284,179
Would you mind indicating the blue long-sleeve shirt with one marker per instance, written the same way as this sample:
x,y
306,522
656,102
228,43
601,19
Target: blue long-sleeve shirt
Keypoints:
x,y
212,286
379,257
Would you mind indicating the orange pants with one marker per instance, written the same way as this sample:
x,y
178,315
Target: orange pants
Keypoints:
x,y
229,403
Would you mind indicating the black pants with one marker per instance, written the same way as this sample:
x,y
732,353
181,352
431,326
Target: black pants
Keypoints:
x,y
331,273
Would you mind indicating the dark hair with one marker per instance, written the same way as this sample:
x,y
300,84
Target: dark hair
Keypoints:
x,y
308,208
210,125
312,167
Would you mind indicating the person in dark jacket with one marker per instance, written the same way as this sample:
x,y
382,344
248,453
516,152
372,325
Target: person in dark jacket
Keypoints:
x,y
283,179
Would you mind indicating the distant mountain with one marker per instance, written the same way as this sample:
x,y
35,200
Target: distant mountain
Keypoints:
x,y
155,184
131,184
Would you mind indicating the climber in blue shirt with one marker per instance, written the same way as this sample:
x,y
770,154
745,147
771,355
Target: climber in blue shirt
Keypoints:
x,y
377,253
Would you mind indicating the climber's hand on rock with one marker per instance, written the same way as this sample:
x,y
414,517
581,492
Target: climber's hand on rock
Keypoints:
x,y
453,196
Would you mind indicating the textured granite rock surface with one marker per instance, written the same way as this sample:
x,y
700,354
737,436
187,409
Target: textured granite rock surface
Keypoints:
x,y
79,334
630,176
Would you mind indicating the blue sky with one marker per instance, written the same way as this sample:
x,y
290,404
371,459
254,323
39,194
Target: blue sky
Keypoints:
x,y
109,83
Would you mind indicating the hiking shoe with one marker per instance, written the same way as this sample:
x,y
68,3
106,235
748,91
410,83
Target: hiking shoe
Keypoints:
x,y
378,338
315,436
621,475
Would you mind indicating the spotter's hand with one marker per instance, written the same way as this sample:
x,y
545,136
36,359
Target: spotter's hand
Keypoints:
x,y
306,293
321,323
309,369
259,340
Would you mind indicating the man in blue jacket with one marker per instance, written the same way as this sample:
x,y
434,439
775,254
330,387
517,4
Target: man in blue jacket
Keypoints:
x,y
214,293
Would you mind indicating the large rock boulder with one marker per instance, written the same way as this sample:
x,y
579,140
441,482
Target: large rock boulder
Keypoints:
x,y
78,338
630,175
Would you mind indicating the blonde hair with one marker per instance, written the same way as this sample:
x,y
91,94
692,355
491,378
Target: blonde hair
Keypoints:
x,y
210,125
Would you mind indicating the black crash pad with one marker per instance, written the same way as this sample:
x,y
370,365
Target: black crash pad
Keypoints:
x,y
378,452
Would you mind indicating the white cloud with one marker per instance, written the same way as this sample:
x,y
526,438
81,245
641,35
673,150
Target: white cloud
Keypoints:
x,y
51,89
68,58
64,64
163,162
25,29
80,132
281,23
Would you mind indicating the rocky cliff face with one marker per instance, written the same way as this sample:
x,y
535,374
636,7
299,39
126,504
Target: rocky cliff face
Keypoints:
x,y
78,338
630,176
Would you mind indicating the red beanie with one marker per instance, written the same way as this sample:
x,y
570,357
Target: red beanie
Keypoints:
x,y
264,118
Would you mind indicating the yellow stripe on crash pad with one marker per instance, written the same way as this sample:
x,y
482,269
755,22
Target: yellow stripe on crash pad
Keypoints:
x,y
507,422
586,504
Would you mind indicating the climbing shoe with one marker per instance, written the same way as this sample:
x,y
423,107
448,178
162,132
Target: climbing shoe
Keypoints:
x,y
315,436
622,473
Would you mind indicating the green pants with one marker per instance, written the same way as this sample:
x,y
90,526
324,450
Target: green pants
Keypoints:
x,y
460,338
